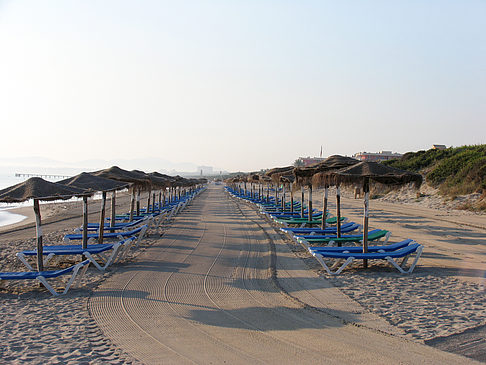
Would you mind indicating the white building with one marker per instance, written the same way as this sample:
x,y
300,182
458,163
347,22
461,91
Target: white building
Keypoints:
x,y
377,156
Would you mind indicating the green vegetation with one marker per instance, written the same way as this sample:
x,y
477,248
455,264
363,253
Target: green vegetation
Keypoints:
x,y
454,171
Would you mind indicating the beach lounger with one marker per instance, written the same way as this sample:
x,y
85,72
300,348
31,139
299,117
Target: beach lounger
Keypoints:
x,y
302,223
115,250
390,256
359,249
120,226
345,228
374,235
42,276
120,235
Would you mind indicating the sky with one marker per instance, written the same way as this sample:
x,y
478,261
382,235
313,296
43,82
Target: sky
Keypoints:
x,y
241,85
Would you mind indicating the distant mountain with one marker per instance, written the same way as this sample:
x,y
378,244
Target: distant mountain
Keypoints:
x,y
46,165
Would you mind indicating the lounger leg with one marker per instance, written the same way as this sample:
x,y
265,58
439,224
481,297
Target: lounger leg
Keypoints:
x,y
48,258
75,273
338,271
23,259
141,235
418,253
47,285
95,263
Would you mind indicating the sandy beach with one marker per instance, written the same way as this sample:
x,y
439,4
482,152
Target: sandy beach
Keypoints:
x,y
441,303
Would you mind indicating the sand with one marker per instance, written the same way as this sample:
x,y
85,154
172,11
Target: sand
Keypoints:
x,y
440,301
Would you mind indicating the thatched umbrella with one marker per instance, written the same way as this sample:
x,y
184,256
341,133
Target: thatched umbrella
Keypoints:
x,y
303,178
275,174
363,173
320,177
253,178
118,174
93,183
39,189
164,181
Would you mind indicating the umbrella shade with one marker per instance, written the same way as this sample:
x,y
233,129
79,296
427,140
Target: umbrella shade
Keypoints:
x,y
374,171
163,180
364,172
118,174
275,170
38,188
93,183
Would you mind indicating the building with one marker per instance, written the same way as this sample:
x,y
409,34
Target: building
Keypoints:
x,y
439,147
377,156
205,170
307,161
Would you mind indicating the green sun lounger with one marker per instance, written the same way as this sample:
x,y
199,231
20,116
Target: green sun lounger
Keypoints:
x,y
373,235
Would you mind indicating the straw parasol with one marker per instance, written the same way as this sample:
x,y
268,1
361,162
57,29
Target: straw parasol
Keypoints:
x,y
163,181
93,183
303,177
320,177
365,172
275,174
39,189
116,173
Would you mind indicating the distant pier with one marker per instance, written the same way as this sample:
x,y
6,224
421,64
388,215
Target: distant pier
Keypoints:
x,y
48,176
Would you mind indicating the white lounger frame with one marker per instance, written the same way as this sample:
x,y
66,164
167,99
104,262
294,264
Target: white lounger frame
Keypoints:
x,y
400,267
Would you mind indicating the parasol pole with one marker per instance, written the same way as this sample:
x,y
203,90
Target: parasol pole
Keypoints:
x,y
132,203
148,200
324,206
338,212
138,201
38,230
291,200
160,200
113,204
302,201
310,203
366,191
102,217
283,197
276,195
85,222
268,193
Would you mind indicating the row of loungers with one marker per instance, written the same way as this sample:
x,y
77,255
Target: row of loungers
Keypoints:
x,y
332,252
127,235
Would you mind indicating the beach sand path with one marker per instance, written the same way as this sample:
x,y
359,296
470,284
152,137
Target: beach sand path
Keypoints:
x,y
217,288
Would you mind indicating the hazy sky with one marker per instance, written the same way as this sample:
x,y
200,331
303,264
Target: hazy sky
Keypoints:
x,y
240,85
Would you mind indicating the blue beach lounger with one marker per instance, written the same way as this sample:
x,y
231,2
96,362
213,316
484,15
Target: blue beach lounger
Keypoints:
x,y
120,235
359,249
345,228
42,276
117,249
390,256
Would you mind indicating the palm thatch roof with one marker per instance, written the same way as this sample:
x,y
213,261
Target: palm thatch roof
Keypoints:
x,y
38,188
89,182
277,170
160,180
315,175
376,172
253,178
332,163
118,174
